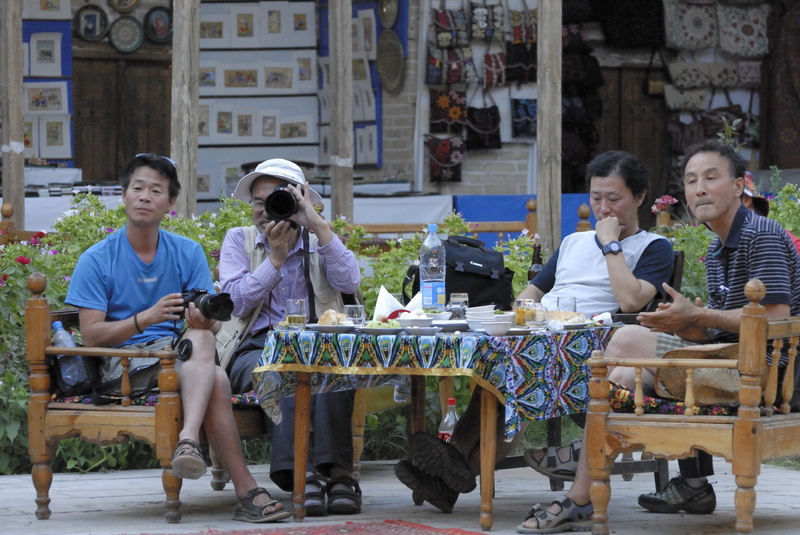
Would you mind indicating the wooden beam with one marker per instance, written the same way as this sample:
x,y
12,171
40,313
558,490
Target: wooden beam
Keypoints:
x,y
13,141
548,143
342,151
185,99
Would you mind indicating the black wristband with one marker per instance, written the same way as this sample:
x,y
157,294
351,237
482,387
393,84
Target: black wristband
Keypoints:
x,y
136,324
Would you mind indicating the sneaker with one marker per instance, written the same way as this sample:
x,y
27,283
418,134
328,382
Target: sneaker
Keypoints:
x,y
679,496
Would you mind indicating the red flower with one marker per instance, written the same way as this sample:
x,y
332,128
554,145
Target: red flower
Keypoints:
x,y
23,260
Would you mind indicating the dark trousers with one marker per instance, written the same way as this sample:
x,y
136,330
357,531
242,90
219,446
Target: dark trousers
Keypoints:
x,y
702,465
331,421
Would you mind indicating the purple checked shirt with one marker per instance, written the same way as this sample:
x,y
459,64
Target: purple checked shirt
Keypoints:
x,y
273,287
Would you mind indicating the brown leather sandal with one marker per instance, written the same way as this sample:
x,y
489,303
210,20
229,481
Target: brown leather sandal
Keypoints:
x,y
188,461
247,510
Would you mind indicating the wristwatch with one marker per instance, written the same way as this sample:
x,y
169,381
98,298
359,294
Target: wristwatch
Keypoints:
x,y
612,247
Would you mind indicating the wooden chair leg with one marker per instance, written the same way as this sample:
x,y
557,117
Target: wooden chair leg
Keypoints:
x,y
302,423
488,449
42,474
219,477
172,488
447,389
359,423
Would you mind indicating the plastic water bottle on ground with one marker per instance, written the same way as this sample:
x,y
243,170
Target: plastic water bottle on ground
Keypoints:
x,y
448,421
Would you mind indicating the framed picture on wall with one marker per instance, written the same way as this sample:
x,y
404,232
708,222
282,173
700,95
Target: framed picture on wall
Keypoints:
x,y
45,54
323,96
356,39
361,72
269,125
279,78
325,145
123,6
208,76
295,129
203,125
223,125
246,26
240,78
215,31
230,174
90,23
30,136
299,25
158,24
203,184
246,122
305,67
45,97
47,9
55,137
369,38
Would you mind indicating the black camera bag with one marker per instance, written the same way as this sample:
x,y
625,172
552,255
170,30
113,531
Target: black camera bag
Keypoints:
x,y
472,269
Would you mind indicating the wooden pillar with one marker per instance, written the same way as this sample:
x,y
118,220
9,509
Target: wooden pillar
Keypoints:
x,y
342,151
548,193
185,99
12,141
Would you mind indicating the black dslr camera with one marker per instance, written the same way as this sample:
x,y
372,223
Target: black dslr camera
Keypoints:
x,y
280,205
216,307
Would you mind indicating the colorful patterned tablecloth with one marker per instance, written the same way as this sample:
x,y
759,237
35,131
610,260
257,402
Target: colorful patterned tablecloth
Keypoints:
x,y
537,376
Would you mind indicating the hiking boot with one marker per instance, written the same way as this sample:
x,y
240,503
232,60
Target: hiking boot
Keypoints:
x,y
679,496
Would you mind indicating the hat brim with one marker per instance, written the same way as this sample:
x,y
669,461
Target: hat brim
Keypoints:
x,y
242,191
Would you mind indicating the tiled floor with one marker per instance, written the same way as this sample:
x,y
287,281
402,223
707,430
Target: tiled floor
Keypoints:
x,y
132,503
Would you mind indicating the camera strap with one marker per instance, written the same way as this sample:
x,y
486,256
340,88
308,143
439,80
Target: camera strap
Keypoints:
x,y
312,306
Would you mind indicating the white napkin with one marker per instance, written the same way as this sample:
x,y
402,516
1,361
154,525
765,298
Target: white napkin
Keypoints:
x,y
603,319
386,304
415,303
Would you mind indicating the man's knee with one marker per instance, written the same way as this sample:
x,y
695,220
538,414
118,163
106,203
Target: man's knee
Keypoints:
x,y
627,342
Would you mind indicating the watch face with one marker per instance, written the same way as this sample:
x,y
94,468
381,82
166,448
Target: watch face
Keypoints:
x,y
613,247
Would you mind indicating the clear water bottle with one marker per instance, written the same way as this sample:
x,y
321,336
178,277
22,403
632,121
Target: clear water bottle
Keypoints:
x,y
449,421
431,271
62,338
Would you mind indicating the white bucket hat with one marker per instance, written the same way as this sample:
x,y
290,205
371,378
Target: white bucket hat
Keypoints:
x,y
277,168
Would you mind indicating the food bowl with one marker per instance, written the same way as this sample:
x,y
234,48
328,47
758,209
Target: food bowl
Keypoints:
x,y
415,322
496,328
439,316
475,325
482,308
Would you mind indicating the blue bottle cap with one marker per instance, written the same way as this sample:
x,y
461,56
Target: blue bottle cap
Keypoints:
x,y
57,325
432,228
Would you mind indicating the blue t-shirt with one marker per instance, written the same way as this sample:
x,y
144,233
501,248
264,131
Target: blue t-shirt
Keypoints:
x,y
110,277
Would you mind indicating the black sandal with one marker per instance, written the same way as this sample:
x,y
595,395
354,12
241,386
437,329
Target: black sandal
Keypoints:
x,y
315,499
344,501
247,510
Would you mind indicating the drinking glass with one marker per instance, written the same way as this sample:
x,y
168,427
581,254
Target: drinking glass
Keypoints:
x,y
536,316
566,304
521,311
296,314
458,305
355,313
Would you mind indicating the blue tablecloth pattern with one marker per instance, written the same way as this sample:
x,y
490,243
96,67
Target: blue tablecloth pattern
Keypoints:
x,y
537,376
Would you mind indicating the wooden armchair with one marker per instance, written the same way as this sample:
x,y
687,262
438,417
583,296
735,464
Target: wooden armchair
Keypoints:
x,y
51,420
754,433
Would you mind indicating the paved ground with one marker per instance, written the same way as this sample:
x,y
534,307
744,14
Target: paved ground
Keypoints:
x,y
132,503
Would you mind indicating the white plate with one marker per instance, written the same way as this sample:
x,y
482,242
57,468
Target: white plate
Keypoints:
x,y
577,325
449,326
330,328
518,331
377,330
423,331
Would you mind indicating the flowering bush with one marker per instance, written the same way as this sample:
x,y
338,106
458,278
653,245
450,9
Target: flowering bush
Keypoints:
x,y
663,203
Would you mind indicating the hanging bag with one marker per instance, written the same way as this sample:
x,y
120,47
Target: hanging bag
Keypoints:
x,y
487,22
690,74
714,119
448,111
690,26
523,117
233,331
445,156
449,65
451,26
521,66
685,99
743,30
494,68
650,87
524,25
483,125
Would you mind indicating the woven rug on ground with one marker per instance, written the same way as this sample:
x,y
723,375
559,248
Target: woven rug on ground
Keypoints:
x,y
387,527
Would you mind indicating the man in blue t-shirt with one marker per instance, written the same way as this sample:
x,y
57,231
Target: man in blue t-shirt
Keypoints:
x,y
129,290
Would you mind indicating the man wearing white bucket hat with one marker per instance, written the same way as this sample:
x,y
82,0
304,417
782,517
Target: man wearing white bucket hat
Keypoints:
x,y
302,258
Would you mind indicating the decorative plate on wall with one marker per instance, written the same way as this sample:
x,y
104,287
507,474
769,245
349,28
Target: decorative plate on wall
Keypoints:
x,y
90,22
391,64
123,6
126,34
158,25
387,12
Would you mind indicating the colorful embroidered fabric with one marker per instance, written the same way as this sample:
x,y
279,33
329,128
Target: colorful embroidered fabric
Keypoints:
x,y
537,376
621,399
241,400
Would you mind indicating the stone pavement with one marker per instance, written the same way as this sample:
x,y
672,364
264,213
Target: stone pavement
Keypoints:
x,y
131,503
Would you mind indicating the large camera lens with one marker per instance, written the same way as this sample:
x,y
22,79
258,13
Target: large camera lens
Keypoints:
x,y
280,204
217,307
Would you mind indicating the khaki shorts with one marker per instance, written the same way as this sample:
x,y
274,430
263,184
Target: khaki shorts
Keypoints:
x,y
667,342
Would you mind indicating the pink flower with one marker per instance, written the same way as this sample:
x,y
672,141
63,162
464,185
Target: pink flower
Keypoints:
x,y
109,230
23,260
662,203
